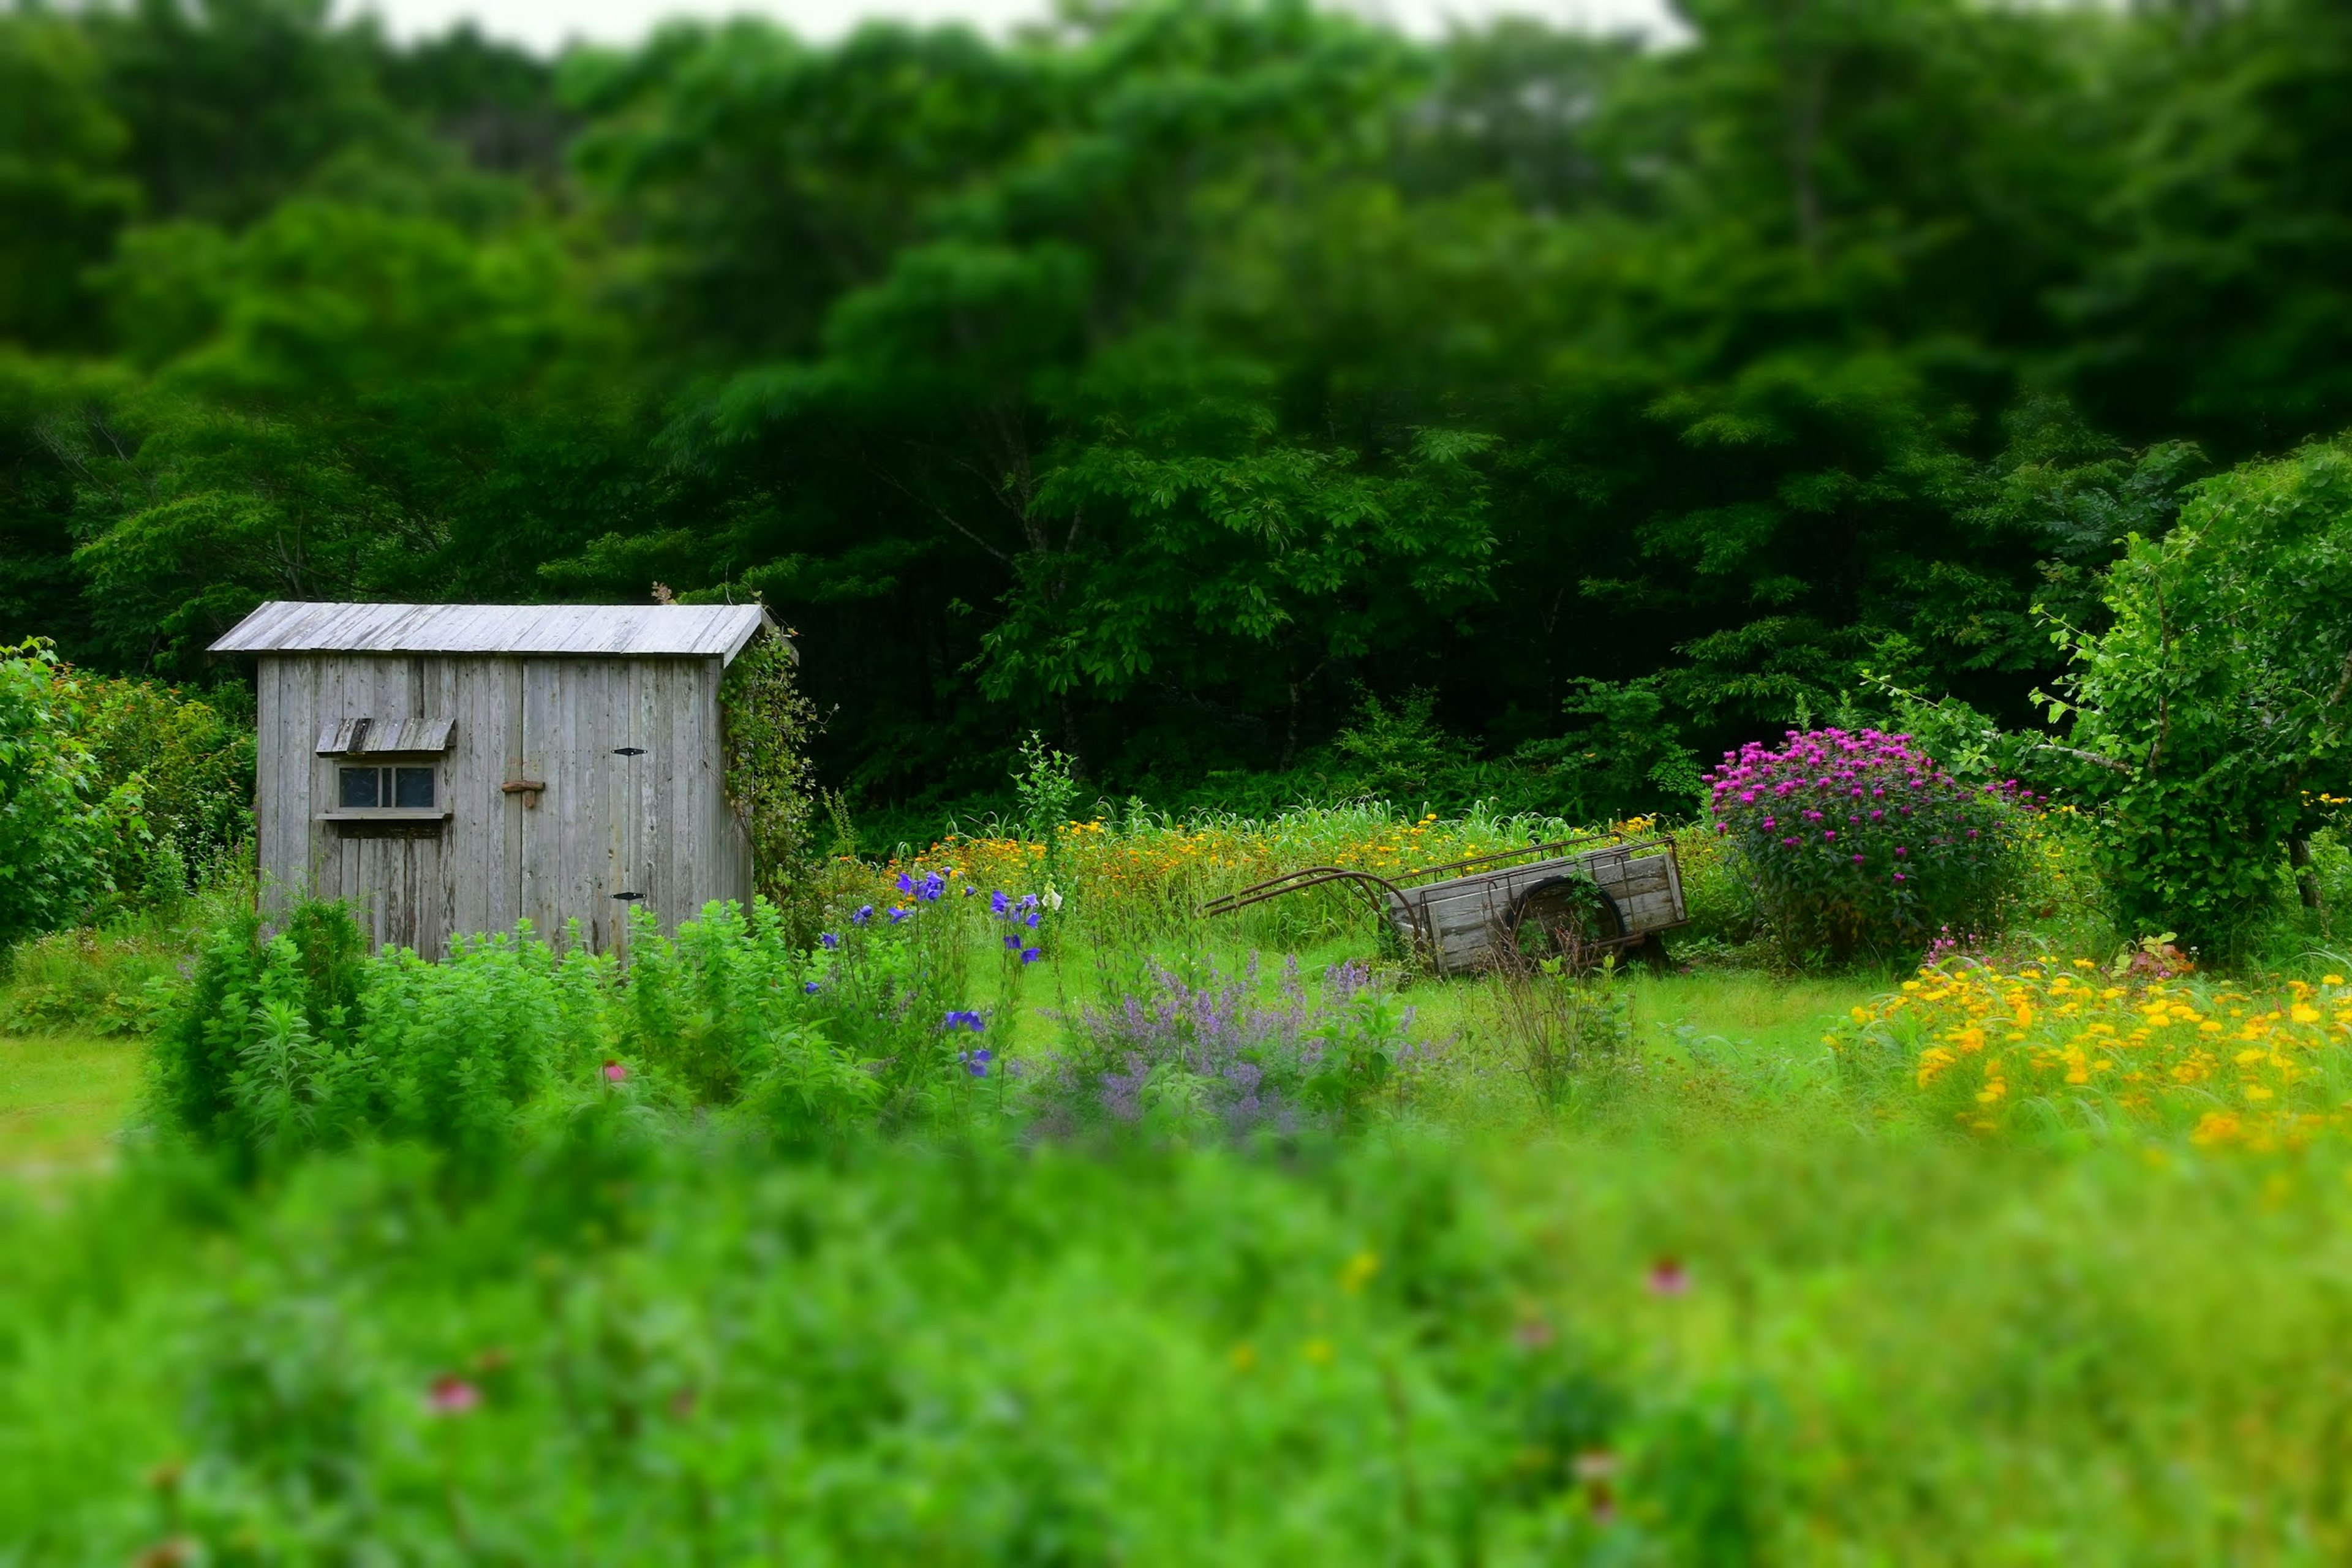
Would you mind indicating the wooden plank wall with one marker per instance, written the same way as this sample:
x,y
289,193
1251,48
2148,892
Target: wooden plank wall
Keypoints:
x,y
657,824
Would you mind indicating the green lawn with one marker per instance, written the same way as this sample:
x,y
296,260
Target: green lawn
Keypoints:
x,y
62,1097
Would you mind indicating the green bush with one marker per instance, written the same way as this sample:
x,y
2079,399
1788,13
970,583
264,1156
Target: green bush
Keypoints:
x,y
58,827
2215,712
192,757
723,1009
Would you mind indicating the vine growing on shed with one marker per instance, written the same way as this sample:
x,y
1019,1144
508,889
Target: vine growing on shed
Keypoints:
x,y
771,782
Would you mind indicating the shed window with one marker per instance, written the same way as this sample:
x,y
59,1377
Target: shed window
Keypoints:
x,y
372,789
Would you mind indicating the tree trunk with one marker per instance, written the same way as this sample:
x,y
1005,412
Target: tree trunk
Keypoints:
x,y
2306,880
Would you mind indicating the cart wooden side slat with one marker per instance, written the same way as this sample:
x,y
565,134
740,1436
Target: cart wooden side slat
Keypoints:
x,y
1460,921
1462,918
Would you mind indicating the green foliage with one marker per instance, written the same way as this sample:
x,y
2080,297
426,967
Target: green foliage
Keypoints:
x,y
721,1009
59,828
771,779
2213,711
1171,379
261,1059
1398,753
123,975
1047,788
193,757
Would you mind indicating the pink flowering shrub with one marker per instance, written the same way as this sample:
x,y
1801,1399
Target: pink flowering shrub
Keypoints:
x,y
1860,843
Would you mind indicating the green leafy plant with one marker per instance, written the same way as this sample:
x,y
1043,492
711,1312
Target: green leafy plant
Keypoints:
x,y
770,725
58,831
2215,711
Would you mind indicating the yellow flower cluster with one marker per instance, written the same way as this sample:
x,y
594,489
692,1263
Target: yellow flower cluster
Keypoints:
x,y
2224,1065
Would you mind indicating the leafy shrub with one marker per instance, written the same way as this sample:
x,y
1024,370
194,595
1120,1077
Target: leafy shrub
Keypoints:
x,y
2212,714
457,1049
771,782
1860,843
301,1040
260,1059
723,1008
193,758
58,827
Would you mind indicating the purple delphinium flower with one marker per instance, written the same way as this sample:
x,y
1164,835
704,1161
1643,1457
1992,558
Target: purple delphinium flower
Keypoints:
x,y
829,941
1030,954
1031,920
906,883
898,915
975,1062
865,912
930,888
998,903
1013,944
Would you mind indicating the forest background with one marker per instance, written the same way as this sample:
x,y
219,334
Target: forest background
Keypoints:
x,y
1260,404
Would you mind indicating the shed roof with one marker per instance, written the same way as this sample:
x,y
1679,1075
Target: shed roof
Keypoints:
x,y
608,631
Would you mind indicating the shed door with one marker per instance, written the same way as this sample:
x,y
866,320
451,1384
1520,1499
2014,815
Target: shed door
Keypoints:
x,y
581,849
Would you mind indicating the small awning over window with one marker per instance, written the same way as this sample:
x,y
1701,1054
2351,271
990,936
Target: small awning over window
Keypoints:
x,y
357,737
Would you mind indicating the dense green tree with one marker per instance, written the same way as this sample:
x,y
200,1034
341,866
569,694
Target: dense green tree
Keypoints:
x,y
1176,376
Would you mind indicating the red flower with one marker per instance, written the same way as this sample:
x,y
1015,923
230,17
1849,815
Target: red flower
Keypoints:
x,y
452,1396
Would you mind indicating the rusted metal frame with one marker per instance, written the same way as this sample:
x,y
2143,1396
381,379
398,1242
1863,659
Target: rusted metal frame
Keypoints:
x,y
1383,895
1541,851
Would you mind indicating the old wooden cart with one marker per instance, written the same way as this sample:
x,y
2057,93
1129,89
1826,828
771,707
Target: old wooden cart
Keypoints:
x,y
1579,898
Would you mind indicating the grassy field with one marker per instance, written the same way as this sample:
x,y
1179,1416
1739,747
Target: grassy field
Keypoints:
x,y
62,1099
2020,1259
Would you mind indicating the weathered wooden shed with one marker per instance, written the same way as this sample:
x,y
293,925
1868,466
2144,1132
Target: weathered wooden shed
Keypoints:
x,y
447,769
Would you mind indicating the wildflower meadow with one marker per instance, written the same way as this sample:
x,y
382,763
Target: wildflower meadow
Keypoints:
x,y
1015,1212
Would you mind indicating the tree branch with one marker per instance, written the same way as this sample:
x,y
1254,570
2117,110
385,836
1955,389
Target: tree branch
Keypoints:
x,y
2081,756
887,478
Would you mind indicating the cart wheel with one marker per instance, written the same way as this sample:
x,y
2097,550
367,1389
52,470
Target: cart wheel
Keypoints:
x,y
1566,917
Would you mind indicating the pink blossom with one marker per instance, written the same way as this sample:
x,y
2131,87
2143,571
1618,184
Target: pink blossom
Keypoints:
x,y
1667,1277
615,1072
452,1396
